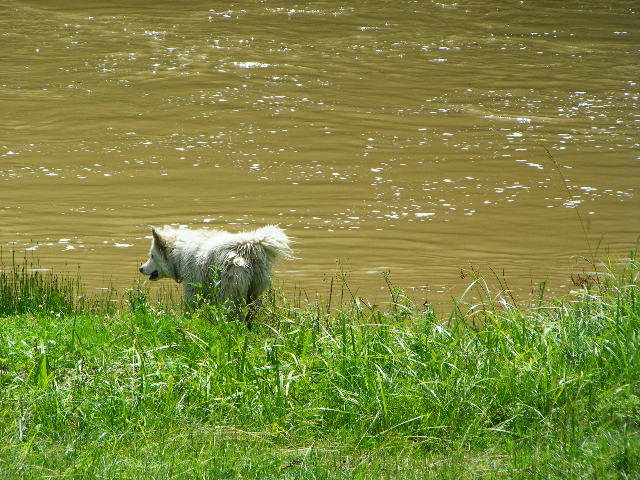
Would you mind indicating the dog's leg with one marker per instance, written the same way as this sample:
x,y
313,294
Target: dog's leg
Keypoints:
x,y
252,309
234,287
189,297
259,283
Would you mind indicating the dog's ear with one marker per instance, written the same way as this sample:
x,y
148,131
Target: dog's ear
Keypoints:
x,y
157,239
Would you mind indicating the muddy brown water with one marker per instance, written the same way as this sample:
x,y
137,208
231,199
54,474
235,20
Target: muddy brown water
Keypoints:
x,y
407,136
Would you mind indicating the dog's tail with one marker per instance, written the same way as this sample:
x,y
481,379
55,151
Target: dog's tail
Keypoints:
x,y
273,239
269,241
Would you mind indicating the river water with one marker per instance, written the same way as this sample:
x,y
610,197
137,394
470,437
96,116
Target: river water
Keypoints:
x,y
416,137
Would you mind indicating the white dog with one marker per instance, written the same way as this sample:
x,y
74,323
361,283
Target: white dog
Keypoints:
x,y
218,265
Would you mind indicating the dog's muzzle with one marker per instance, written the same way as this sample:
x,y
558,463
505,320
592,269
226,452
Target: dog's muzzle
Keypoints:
x,y
154,275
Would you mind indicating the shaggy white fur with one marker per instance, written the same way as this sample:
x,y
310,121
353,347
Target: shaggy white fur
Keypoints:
x,y
217,264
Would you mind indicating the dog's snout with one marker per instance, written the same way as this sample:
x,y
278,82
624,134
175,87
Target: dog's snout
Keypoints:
x,y
141,270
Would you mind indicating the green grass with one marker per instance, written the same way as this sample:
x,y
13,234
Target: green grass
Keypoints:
x,y
495,390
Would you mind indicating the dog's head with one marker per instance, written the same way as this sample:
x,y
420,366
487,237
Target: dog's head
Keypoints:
x,y
159,264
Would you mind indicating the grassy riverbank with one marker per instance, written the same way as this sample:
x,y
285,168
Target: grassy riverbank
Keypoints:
x,y
550,390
